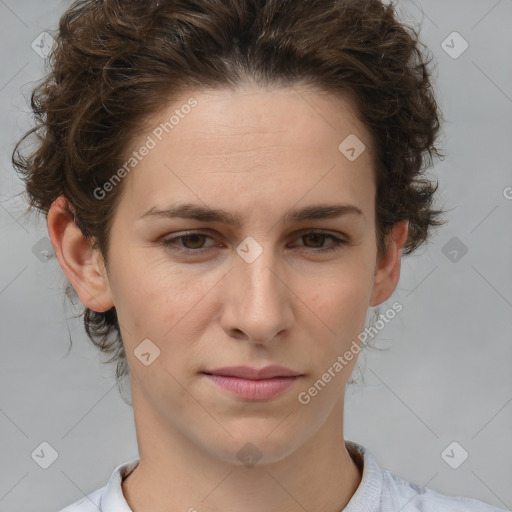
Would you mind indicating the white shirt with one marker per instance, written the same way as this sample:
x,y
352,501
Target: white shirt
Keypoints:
x,y
378,491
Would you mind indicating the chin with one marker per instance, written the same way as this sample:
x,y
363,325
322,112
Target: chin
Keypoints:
x,y
252,445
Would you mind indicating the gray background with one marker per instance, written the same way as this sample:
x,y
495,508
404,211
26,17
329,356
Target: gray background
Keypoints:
x,y
445,374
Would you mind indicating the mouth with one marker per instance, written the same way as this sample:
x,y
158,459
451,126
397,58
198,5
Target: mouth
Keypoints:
x,y
251,383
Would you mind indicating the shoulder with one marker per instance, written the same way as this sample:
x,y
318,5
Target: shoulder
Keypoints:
x,y
382,491
108,498
399,494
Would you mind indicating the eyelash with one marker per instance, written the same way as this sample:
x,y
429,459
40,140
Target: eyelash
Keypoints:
x,y
169,243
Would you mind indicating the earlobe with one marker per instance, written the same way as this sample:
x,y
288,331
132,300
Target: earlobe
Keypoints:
x,y
82,265
387,271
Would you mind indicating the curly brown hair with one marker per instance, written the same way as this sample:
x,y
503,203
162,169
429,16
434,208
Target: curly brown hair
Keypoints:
x,y
117,62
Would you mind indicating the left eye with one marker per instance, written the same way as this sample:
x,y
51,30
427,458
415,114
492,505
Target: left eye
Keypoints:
x,y
196,240
315,237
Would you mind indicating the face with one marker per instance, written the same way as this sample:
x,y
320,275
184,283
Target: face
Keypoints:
x,y
266,283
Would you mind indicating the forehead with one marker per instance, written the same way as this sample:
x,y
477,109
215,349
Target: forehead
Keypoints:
x,y
222,118
267,145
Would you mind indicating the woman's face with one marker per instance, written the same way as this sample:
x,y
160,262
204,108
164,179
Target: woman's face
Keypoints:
x,y
272,287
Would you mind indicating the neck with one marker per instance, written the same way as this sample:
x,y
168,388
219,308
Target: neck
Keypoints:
x,y
174,474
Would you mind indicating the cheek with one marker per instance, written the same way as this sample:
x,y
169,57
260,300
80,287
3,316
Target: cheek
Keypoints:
x,y
341,316
340,310
340,300
158,300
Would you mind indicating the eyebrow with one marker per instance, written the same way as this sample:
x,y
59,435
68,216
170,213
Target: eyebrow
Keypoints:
x,y
206,214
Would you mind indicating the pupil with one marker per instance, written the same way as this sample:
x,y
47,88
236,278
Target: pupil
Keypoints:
x,y
315,236
196,236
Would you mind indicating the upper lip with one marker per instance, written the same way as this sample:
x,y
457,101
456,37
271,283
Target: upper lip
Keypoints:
x,y
246,372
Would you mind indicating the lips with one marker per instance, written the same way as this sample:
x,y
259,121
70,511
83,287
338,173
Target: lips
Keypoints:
x,y
245,372
251,383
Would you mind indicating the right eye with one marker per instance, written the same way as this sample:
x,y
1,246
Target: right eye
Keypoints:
x,y
192,238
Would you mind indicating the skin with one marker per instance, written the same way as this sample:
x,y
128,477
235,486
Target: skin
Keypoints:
x,y
256,153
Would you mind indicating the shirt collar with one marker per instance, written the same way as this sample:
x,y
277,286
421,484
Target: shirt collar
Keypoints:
x,y
367,497
112,499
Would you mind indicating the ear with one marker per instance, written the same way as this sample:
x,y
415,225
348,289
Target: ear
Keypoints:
x,y
387,270
83,265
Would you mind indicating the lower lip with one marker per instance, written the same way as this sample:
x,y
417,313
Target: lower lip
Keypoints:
x,y
249,389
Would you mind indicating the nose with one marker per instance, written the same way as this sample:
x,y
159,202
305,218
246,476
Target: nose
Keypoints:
x,y
257,299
